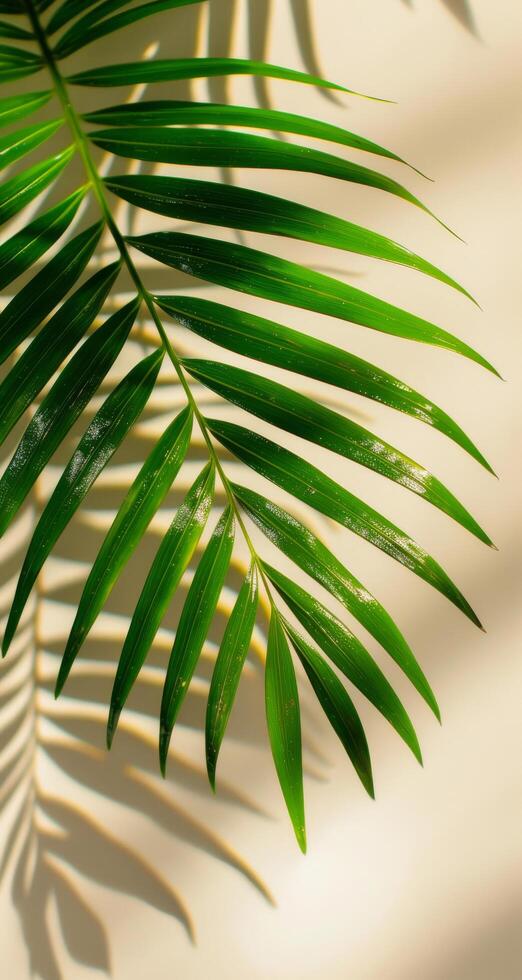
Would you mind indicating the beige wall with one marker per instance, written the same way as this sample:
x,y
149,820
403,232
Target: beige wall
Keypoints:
x,y
425,883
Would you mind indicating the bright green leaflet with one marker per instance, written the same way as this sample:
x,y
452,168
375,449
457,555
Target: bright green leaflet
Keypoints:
x,y
164,576
347,653
36,300
235,207
20,190
60,408
284,724
16,145
309,484
198,612
309,553
51,346
338,707
260,274
137,510
227,672
22,250
172,113
272,343
52,312
224,148
100,441
302,416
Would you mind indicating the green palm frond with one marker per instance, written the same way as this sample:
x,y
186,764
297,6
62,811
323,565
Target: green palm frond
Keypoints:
x,y
62,332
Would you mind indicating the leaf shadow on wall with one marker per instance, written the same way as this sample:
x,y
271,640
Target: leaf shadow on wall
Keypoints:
x,y
55,842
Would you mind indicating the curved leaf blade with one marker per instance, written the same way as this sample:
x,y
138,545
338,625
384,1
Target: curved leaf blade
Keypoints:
x,y
284,725
59,410
338,708
86,30
16,107
38,298
172,558
51,346
24,187
302,416
16,145
7,29
98,444
226,205
176,113
135,514
269,277
309,484
180,69
270,342
196,617
309,553
227,671
23,249
227,148
348,654
66,11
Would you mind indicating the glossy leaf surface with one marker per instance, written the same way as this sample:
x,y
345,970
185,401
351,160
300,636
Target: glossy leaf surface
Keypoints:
x,y
338,708
227,671
309,553
60,408
302,416
270,342
284,725
172,558
137,510
348,654
313,487
260,274
196,617
98,444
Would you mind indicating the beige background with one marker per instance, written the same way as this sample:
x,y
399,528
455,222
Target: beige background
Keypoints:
x,y
425,883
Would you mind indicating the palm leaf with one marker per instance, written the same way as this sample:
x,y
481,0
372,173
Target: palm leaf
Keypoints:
x,y
65,326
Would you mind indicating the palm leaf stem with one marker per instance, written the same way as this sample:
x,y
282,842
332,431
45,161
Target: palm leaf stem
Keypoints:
x,y
82,145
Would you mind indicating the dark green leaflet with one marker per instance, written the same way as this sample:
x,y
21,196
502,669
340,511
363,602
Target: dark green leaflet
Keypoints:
x,y
172,113
51,346
228,206
227,672
23,249
310,485
33,303
338,708
18,106
226,148
348,654
12,30
172,558
261,274
273,343
98,444
309,553
15,145
12,72
196,617
302,416
19,190
284,724
91,27
66,11
59,410
137,510
11,55
172,70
